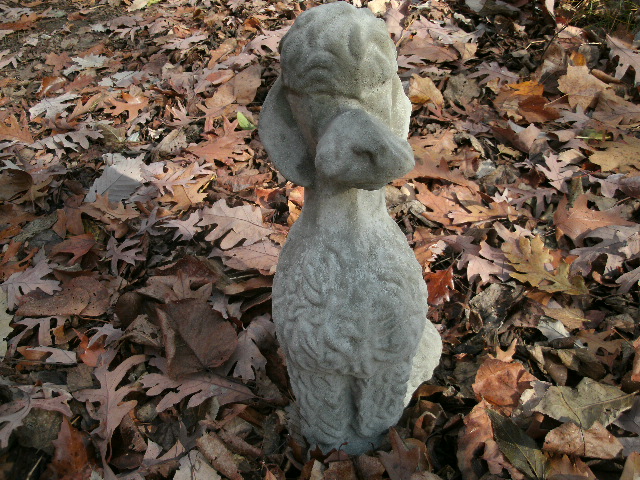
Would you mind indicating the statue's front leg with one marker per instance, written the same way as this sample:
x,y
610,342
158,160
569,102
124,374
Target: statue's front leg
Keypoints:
x,y
379,399
324,405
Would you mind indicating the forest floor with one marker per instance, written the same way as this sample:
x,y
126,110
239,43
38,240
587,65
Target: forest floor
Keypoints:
x,y
141,223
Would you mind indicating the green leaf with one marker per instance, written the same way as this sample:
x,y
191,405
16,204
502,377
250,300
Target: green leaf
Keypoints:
x,y
586,404
244,122
520,449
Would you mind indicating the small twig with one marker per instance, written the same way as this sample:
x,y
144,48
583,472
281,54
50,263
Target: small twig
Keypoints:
x,y
33,469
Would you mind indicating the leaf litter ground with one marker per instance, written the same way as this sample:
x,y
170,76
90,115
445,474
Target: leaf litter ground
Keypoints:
x,y
141,225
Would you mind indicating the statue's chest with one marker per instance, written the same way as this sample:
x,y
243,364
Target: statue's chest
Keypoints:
x,y
348,273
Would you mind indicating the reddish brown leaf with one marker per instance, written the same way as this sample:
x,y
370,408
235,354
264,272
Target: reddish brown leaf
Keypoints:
x,y
635,373
132,105
234,224
440,285
222,147
77,246
631,467
501,383
25,23
73,458
474,436
579,220
58,62
369,468
13,182
14,131
90,354
422,90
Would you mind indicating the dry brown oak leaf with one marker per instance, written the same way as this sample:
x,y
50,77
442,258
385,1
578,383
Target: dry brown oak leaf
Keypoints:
x,y
223,147
530,257
579,220
620,155
111,407
440,285
238,223
14,131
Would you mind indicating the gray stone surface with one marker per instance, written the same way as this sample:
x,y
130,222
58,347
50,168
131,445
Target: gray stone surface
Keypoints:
x,y
349,300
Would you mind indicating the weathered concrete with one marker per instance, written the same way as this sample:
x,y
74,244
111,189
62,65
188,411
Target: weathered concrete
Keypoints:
x,y
349,301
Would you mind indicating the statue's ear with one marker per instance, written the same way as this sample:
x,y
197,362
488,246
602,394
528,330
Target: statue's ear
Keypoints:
x,y
283,140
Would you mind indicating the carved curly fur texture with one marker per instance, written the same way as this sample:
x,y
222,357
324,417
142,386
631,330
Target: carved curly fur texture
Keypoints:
x,y
349,321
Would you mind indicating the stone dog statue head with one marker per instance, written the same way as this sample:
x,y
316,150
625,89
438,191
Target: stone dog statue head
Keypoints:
x,y
337,114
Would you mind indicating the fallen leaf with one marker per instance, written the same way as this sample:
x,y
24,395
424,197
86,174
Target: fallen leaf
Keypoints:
x,y
620,155
185,229
519,448
14,182
21,283
73,458
579,220
14,131
529,258
629,280
627,57
440,285
196,338
77,246
47,397
120,178
478,213
222,147
198,387
246,83
581,87
631,467
261,256
52,107
571,318
472,440
5,323
58,61
90,354
110,399
570,439
588,403
247,357
402,461
563,467
126,251
422,90
502,383
238,223
132,105
426,49
340,470
55,355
